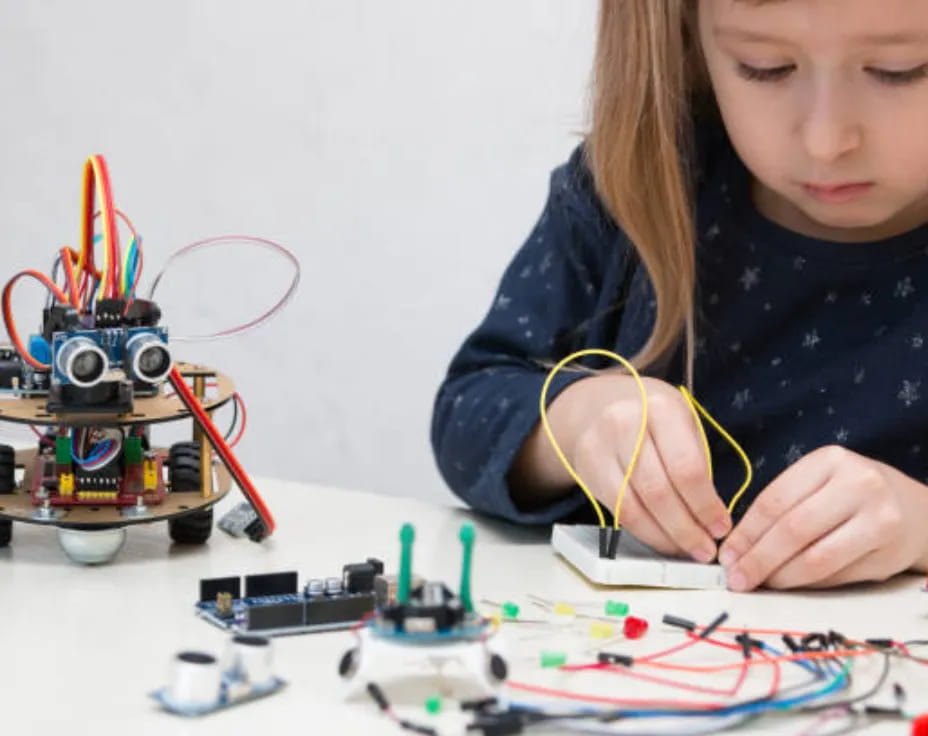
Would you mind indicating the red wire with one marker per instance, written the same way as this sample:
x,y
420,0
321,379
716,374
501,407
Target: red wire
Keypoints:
x,y
241,429
111,234
806,656
8,313
41,435
222,449
666,652
67,263
619,670
111,231
583,697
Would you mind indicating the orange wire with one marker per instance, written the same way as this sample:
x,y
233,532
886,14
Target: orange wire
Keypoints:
x,y
67,263
96,175
782,658
8,314
583,697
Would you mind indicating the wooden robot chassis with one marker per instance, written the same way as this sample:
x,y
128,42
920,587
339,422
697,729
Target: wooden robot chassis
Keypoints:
x,y
19,506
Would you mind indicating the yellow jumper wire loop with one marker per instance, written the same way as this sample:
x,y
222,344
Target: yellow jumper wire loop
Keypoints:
x,y
698,411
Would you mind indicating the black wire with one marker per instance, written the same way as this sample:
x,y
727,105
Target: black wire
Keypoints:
x,y
234,418
50,298
847,702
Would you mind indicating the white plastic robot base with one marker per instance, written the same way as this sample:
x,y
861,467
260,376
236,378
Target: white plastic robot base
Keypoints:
x,y
634,564
91,547
379,659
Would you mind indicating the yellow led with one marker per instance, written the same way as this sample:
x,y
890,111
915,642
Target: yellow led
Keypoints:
x,y
66,484
601,630
150,475
564,609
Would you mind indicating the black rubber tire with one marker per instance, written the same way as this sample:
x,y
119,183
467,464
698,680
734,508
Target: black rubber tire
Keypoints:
x,y
192,528
7,469
184,477
184,467
7,486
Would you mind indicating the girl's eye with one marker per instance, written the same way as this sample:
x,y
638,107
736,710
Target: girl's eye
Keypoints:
x,y
904,76
766,74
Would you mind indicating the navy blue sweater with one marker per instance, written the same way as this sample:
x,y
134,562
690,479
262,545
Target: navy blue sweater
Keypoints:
x,y
800,342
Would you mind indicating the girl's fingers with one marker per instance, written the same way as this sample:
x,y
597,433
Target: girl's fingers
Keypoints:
x,y
601,469
657,494
806,523
839,551
683,455
644,527
799,481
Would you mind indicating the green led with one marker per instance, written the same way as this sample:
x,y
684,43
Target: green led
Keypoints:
x,y
63,450
132,450
553,659
616,608
433,705
510,610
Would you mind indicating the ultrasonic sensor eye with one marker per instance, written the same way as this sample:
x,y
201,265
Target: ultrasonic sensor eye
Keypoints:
x,y
148,358
82,361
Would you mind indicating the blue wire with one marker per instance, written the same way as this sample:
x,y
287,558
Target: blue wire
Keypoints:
x,y
100,450
802,663
757,707
133,265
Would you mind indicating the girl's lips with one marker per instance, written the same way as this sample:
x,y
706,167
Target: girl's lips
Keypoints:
x,y
837,193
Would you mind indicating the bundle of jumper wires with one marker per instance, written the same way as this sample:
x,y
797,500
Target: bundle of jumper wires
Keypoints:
x,y
78,281
815,675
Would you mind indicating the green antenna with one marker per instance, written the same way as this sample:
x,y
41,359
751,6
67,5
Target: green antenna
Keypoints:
x,y
467,540
407,535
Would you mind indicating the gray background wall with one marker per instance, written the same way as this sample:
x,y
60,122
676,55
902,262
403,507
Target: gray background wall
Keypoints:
x,y
400,148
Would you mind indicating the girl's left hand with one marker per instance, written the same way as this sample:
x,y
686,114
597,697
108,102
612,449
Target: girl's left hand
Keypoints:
x,y
832,517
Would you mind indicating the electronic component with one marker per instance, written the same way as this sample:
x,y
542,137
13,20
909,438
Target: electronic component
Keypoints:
x,y
147,357
78,360
273,605
238,520
91,381
635,563
199,685
428,621
634,627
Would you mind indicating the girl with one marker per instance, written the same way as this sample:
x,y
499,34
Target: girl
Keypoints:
x,y
746,216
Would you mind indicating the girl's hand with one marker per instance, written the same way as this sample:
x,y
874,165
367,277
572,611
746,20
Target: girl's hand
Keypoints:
x,y
670,503
832,517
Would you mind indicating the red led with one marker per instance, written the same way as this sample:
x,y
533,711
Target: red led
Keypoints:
x,y
636,627
920,725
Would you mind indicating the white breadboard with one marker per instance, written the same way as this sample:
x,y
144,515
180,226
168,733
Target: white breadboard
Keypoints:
x,y
635,563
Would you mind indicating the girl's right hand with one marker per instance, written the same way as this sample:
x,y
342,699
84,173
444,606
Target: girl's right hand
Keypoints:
x,y
670,503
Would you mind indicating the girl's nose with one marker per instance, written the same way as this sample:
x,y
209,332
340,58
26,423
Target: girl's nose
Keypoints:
x,y
830,127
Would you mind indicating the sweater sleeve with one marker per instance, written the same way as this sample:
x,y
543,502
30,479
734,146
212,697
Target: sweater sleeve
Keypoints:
x,y
545,307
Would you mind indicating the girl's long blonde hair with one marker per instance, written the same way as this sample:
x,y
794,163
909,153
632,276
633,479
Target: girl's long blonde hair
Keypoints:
x,y
648,71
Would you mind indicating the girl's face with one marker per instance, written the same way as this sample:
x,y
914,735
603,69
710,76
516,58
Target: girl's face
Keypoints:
x,y
826,102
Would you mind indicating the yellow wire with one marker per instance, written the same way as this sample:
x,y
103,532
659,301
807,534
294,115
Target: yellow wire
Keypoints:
x,y
557,448
95,163
691,403
749,472
695,407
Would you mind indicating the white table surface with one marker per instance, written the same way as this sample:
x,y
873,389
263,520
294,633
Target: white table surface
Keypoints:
x,y
81,647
